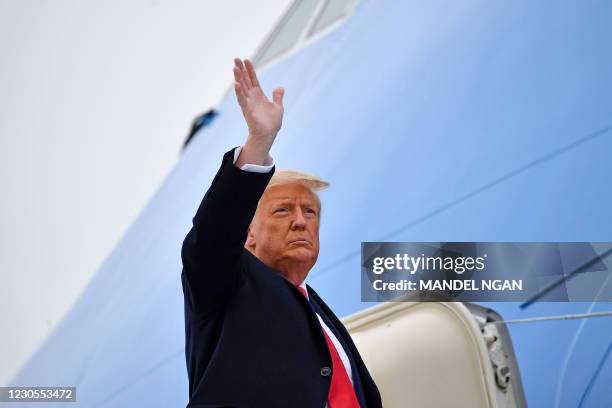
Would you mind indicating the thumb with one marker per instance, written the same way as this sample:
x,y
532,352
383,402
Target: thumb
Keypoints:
x,y
277,96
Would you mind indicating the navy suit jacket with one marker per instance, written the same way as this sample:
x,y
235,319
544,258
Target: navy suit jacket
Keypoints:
x,y
252,339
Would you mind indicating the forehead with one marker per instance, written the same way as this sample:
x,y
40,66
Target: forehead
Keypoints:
x,y
289,192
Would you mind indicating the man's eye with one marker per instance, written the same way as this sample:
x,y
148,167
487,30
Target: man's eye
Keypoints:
x,y
311,211
282,209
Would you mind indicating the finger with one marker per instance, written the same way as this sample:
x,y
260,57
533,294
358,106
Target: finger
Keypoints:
x,y
245,75
240,79
238,74
240,94
277,96
251,71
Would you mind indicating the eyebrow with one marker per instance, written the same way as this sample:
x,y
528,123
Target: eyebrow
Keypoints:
x,y
281,201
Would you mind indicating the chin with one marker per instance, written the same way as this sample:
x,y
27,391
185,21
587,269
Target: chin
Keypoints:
x,y
301,254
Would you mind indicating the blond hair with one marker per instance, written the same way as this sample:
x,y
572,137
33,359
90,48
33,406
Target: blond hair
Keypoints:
x,y
285,176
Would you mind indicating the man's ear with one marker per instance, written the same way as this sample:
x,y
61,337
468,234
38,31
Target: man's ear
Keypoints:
x,y
250,241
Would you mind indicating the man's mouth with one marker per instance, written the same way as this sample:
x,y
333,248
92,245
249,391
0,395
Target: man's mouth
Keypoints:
x,y
300,242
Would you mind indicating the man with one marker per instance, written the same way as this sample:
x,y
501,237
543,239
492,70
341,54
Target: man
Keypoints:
x,y
256,334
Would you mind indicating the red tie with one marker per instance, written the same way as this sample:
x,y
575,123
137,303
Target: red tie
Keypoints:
x,y
341,392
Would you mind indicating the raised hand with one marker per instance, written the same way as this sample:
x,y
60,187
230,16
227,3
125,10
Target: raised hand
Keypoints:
x,y
263,117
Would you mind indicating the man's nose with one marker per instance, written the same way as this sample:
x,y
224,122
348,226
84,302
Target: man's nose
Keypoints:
x,y
299,221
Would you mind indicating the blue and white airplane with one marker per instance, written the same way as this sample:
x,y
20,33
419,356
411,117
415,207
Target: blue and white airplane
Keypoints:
x,y
439,120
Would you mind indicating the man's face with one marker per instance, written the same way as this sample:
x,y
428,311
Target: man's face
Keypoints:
x,y
284,233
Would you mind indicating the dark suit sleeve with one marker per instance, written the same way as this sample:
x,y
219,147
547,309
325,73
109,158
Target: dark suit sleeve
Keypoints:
x,y
212,250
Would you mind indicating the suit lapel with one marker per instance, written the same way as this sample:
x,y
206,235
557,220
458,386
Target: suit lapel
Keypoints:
x,y
343,337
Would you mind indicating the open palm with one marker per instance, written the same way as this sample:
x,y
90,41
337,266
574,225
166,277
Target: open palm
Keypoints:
x,y
263,117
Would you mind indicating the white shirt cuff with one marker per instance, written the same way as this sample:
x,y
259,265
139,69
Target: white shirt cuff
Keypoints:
x,y
255,168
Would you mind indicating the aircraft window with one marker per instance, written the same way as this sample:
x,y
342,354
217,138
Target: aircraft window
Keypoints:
x,y
289,30
333,11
